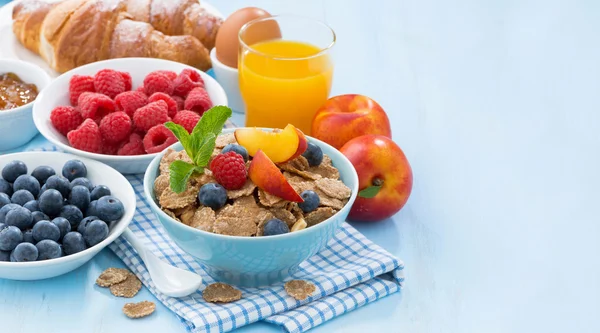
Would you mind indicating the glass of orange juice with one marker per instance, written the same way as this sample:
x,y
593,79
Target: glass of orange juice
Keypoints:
x,y
285,70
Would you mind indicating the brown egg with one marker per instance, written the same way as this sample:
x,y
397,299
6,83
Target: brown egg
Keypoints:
x,y
227,42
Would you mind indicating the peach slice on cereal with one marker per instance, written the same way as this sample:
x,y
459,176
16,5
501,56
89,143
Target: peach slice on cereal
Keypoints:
x,y
279,146
302,145
267,176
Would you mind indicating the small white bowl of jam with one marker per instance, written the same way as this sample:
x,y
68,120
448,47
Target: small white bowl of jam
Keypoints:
x,y
20,83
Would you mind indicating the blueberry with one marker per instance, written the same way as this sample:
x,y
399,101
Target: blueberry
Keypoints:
x,y
42,190
4,199
275,227
10,237
73,242
84,223
73,214
28,236
91,210
4,210
21,197
27,182
46,230
32,205
212,195
48,249
99,192
4,256
38,216
109,208
95,232
13,170
74,169
59,183
42,173
51,202
19,217
311,201
313,154
80,197
24,252
63,225
83,182
236,148
6,187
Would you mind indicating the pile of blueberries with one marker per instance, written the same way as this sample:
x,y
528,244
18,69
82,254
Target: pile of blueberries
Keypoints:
x,y
46,216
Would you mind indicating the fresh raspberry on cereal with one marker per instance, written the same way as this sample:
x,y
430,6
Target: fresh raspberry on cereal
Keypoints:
x,y
130,101
158,138
198,101
86,137
79,84
65,119
127,79
171,104
187,119
134,146
115,127
229,170
157,82
109,82
95,106
151,115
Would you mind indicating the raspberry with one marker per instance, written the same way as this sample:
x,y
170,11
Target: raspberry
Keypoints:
x,y
229,170
187,119
171,104
65,119
180,102
127,79
135,146
170,74
141,89
130,101
95,106
78,85
158,138
109,82
198,101
86,137
194,75
183,84
151,115
110,148
157,82
115,127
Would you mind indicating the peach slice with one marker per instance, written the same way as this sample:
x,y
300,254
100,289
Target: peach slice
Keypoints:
x,y
278,146
267,176
302,145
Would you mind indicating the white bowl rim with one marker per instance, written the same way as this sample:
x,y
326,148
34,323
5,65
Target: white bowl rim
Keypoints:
x,y
217,63
105,157
123,223
289,235
38,71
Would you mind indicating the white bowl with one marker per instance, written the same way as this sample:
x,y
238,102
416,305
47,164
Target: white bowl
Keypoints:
x,y
99,174
16,125
228,78
57,93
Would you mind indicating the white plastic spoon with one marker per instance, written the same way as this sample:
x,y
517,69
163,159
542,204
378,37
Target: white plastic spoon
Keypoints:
x,y
169,280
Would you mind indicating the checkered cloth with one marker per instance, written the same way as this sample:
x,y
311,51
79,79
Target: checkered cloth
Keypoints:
x,y
349,273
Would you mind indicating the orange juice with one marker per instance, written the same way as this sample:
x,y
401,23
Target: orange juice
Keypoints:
x,y
283,82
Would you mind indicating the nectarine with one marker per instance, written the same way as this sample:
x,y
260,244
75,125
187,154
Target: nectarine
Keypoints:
x,y
266,175
279,146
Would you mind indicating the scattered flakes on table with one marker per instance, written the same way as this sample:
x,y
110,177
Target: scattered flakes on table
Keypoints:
x,y
246,190
112,276
128,288
204,219
299,289
334,188
299,225
160,184
319,215
139,310
221,293
171,200
325,169
225,139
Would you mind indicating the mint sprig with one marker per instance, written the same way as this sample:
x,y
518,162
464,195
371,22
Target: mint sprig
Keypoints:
x,y
199,145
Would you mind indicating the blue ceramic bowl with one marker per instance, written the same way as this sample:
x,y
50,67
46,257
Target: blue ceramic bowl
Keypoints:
x,y
254,261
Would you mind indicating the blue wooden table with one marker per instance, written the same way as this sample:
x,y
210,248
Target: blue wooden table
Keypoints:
x,y
497,106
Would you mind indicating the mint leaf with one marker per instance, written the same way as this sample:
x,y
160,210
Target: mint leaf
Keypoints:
x,y
205,150
369,192
183,136
212,121
179,174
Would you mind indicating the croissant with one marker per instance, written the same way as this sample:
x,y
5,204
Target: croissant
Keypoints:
x,y
72,33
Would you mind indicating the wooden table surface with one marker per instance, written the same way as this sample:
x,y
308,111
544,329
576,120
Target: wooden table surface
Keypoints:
x,y
497,106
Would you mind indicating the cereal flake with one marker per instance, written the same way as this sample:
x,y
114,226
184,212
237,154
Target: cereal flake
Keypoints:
x,y
246,190
171,200
319,215
139,310
325,169
334,188
284,215
221,293
112,276
203,219
160,184
225,139
186,213
299,289
128,288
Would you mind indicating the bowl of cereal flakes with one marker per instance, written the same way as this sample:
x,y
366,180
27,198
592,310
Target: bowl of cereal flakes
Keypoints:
x,y
249,220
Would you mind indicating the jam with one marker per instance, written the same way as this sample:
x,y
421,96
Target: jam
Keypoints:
x,y
14,92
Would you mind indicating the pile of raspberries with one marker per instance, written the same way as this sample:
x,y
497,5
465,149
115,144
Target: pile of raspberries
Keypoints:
x,y
107,117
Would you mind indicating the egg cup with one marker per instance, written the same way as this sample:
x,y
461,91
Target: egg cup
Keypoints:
x,y
228,79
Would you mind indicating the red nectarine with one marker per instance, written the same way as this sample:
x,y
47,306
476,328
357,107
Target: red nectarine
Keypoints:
x,y
266,175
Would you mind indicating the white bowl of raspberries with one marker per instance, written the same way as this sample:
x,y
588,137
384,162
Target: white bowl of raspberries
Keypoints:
x,y
114,111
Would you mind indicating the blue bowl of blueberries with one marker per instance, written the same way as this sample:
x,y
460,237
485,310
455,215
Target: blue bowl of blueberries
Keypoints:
x,y
57,211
